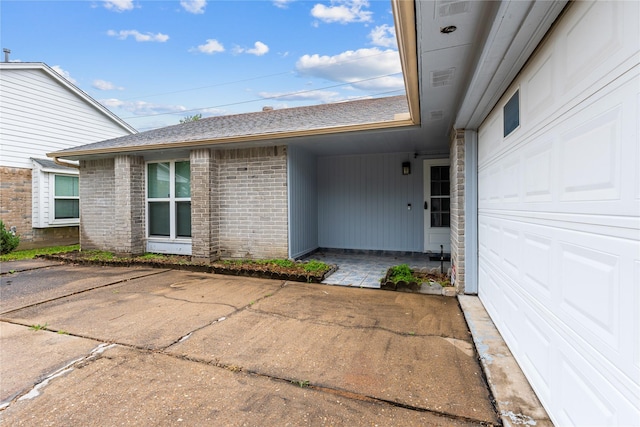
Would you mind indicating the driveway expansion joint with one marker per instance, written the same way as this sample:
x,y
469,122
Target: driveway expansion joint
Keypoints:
x,y
152,273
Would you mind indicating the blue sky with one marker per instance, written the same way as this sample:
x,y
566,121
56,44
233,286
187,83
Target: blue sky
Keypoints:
x,y
155,62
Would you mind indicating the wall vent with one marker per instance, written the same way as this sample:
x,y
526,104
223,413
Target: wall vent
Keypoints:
x,y
442,77
448,8
436,115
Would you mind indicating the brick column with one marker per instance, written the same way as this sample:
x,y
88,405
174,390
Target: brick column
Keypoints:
x,y
457,177
129,225
204,205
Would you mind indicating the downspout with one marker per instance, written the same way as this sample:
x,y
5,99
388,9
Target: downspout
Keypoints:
x,y
59,162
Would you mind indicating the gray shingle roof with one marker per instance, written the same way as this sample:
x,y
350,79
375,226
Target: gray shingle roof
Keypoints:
x,y
50,164
260,123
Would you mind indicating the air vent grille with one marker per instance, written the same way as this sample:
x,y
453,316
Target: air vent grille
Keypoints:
x,y
442,77
448,8
436,115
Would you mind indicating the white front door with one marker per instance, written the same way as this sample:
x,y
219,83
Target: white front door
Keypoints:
x,y
436,206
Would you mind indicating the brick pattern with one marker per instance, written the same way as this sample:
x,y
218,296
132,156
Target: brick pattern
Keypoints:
x,y
252,191
129,215
204,205
16,195
15,201
457,156
97,204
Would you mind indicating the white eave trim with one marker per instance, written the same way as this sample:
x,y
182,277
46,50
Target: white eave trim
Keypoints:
x,y
518,28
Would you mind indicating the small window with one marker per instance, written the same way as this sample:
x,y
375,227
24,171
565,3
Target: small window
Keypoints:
x,y
511,113
66,200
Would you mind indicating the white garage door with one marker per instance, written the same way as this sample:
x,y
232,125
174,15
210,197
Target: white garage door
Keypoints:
x,y
559,217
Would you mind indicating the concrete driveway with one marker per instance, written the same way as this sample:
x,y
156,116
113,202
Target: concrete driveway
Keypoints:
x,y
134,346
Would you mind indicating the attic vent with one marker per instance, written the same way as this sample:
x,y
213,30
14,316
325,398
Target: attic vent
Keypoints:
x,y
436,115
448,8
267,108
442,77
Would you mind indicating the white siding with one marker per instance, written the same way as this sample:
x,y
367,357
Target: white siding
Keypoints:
x,y
39,115
303,201
559,218
362,203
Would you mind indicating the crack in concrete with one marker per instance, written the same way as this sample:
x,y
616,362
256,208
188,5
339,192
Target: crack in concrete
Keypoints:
x,y
34,391
11,272
153,273
374,327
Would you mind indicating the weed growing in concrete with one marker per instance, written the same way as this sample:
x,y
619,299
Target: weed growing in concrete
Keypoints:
x,y
38,327
301,384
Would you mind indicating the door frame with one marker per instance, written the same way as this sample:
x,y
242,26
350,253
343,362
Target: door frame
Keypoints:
x,y
446,242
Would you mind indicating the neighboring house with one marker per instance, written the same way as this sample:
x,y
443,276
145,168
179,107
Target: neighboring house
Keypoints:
x,y
516,149
41,111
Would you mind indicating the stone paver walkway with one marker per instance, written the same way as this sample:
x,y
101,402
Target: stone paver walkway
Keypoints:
x,y
364,270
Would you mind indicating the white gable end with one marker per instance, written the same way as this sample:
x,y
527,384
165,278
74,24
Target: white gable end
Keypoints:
x,y
39,114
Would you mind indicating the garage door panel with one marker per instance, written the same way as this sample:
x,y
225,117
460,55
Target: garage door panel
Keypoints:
x,y
538,250
585,273
602,44
590,158
587,404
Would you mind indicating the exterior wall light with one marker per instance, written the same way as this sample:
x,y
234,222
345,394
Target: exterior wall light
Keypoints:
x,y
406,168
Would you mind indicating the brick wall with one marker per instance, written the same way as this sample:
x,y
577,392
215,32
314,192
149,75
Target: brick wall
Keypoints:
x,y
15,210
252,191
457,156
204,205
129,216
97,204
15,200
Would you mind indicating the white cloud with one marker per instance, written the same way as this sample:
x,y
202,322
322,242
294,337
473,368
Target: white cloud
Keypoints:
x,y
63,73
324,96
258,49
384,35
142,108
138,36
194,6
105,85
343,11
282,4
119,5
356,67
210,47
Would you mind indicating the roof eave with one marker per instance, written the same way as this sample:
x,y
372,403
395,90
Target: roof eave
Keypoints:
x,y
404,15
77,154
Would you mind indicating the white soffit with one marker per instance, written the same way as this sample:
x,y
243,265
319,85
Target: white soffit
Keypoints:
x,y
516,31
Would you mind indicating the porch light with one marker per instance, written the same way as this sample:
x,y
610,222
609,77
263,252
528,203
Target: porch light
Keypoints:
x,y
406,168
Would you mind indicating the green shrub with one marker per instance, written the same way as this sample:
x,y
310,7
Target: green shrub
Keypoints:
x,y
8,240
401,273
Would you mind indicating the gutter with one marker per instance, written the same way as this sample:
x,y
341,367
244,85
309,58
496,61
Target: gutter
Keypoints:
x,y
57,161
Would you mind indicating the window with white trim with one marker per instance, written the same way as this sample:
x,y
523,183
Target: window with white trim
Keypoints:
x,y
169,199
66,198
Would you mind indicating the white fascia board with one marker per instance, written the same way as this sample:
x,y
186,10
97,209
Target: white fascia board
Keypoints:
x,y
517,29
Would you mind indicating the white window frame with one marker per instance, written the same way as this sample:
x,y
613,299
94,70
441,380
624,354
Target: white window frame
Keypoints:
x,y
171,244
53,221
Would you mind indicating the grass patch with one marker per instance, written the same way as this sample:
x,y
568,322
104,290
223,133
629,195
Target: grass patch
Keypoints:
x,y
32,253
402,273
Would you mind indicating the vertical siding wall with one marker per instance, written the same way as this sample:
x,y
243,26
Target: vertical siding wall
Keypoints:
x,y
362,203
303,202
